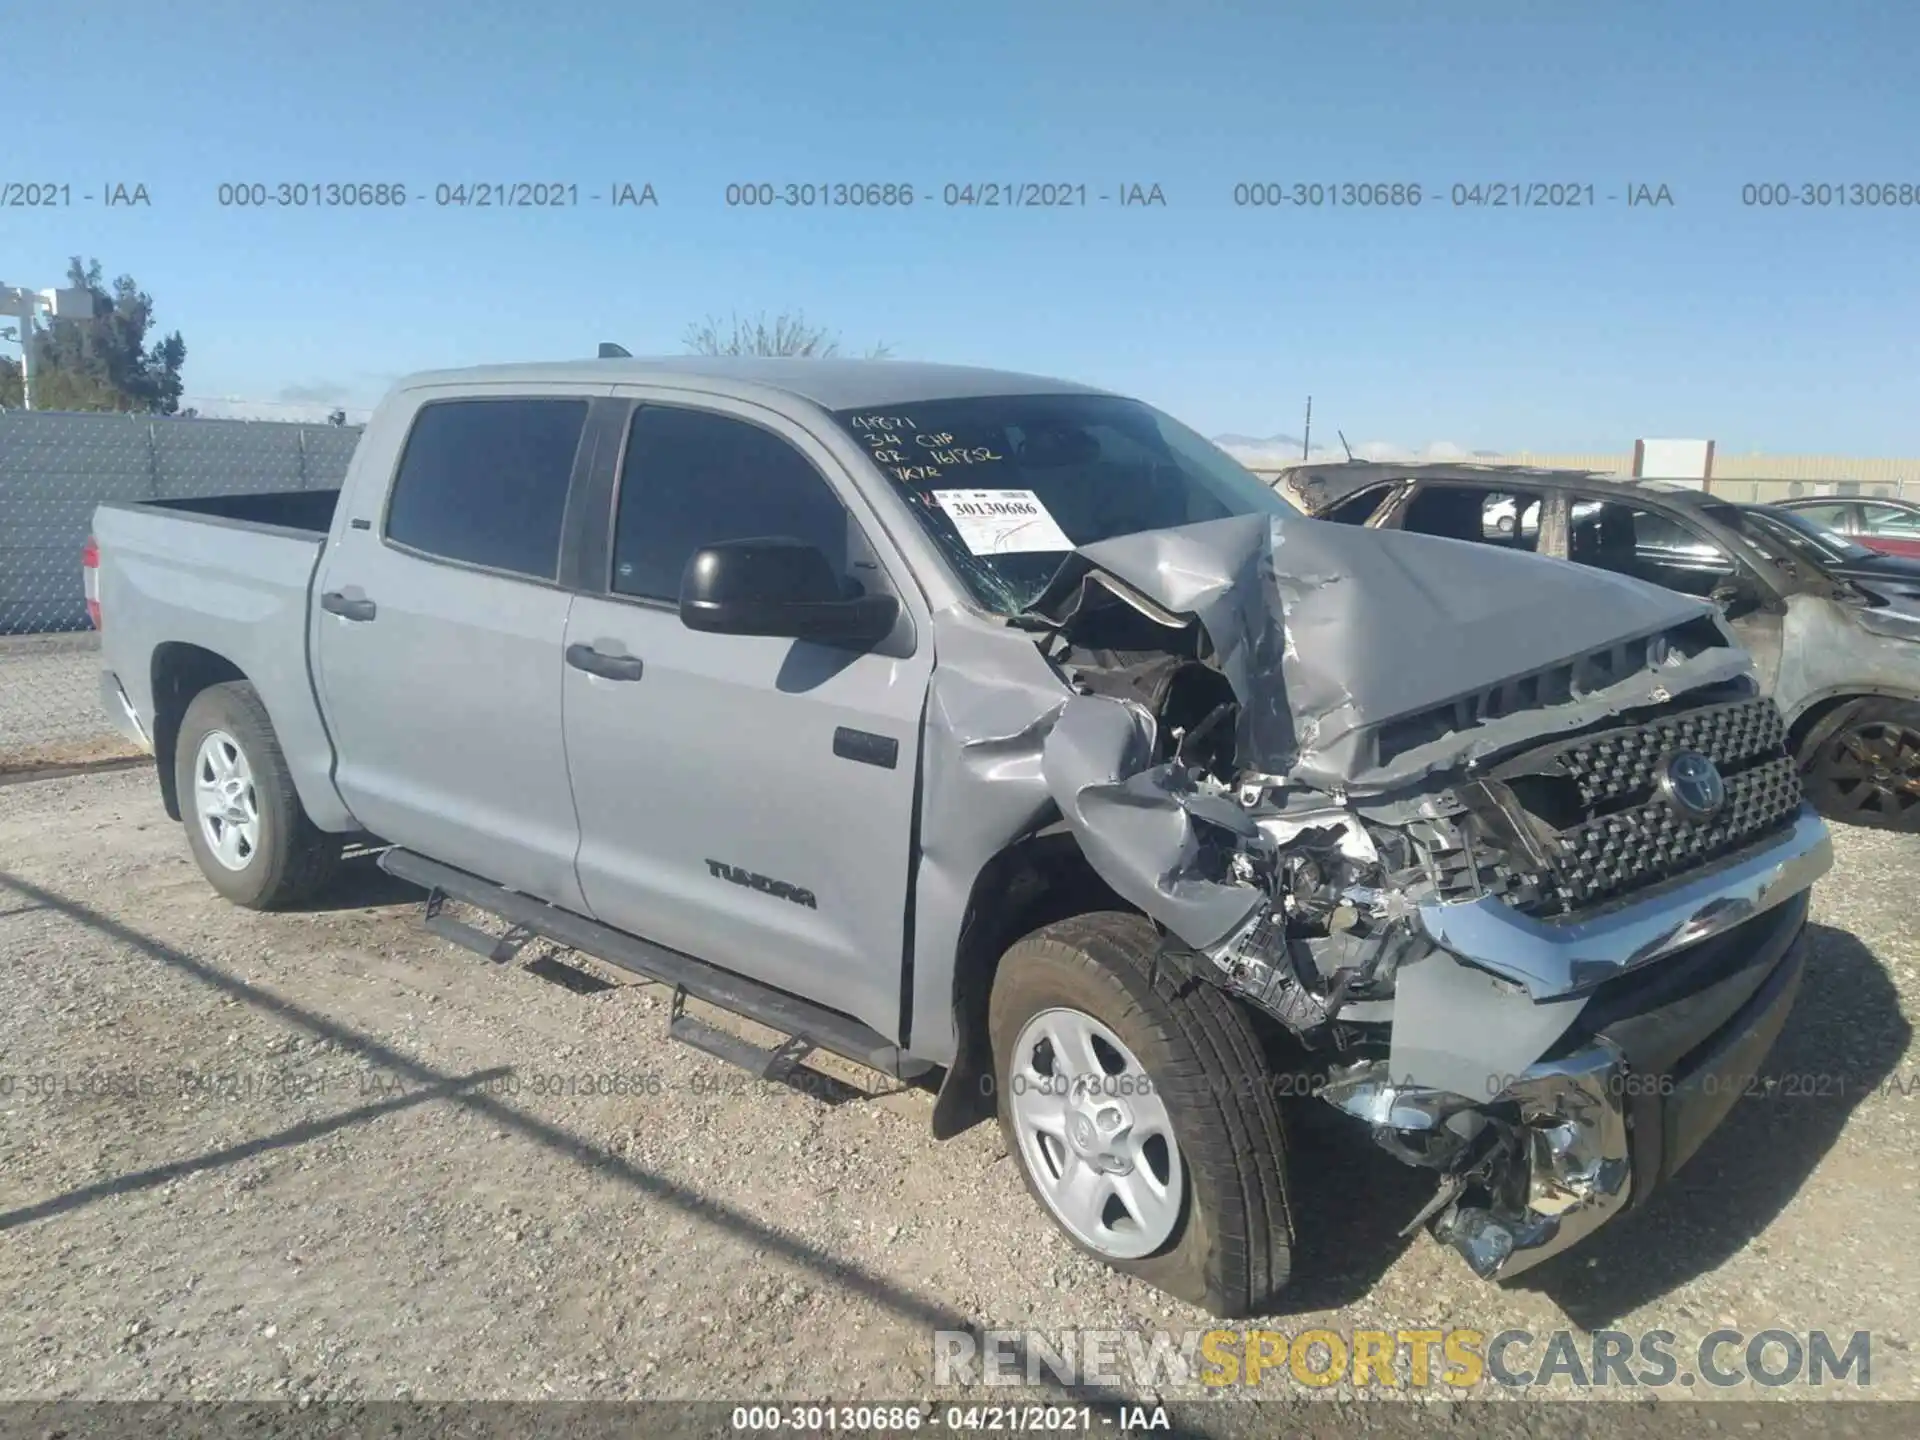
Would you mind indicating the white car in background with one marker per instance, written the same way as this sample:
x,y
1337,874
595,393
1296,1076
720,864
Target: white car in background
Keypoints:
x,y
1502,520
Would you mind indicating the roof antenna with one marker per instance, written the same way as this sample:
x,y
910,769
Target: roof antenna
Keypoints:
x,y
611,351
1344,446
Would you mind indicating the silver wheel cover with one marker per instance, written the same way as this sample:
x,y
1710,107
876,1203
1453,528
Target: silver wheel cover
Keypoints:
x,y
1095,1135
225,804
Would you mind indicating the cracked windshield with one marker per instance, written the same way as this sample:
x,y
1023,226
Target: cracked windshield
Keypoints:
x,y
1007,485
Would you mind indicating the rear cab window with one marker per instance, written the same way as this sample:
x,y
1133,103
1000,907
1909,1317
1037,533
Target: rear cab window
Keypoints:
x,y
484,482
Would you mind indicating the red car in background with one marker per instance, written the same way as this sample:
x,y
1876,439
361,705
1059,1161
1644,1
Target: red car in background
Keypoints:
x,y
1878,522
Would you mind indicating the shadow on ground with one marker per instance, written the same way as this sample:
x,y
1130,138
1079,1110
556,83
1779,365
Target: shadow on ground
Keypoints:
x,y
1350,1201
360,884
420,1083
1844,1037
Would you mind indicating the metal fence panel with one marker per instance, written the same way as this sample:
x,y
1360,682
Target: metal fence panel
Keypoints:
x,y
55,467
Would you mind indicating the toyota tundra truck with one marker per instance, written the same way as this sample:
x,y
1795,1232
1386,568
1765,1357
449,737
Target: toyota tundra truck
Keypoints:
x,y
1002,734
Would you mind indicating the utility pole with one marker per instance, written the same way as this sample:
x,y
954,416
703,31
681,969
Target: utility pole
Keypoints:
x,y
25,304
1306,434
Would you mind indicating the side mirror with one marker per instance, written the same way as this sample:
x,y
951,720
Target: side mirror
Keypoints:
x,y
778,586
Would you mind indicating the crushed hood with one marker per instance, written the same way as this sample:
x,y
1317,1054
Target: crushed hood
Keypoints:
x,y
1325,631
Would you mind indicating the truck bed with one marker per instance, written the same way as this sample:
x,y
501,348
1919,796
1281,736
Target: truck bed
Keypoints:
x,y
308,510
230,576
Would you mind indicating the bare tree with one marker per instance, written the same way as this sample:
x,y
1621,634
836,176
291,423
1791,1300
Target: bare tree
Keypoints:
x,y
784,335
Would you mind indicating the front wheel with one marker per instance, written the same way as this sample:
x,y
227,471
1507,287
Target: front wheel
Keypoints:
x,y
245,825
1140,1109
1868,771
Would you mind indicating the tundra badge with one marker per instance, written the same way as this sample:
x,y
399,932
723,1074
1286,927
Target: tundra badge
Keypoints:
x,y
766,884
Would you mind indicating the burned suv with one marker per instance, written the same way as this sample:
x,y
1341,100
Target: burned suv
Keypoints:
x,y
1834,631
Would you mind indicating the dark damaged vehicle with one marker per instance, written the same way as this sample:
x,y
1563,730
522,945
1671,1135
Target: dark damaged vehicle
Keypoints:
x,y
1834,630
995,729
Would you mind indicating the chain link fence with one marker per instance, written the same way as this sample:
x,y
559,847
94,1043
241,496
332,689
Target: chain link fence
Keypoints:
x,y
55,467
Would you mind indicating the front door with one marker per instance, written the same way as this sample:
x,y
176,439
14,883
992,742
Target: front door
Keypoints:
x,y
745,799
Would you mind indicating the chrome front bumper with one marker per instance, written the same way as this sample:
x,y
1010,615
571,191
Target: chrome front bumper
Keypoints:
x,y
1554,960
1578,1173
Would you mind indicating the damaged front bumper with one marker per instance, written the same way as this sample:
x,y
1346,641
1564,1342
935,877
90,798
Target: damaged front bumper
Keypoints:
x,y
1556,959
1573,1166
1651,1067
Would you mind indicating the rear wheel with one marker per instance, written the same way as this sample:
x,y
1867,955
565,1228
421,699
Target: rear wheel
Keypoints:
x,y
1138,1104
1867,772
244,821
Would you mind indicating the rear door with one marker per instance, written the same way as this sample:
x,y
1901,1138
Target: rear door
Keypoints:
x,y
439,639
747,799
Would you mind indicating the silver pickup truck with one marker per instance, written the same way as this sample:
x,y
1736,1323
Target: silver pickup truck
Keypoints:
x,y
1003,732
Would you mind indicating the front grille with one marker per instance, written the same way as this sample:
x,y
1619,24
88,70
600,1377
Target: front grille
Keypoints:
x,y
1613,854
1606,829
1624,763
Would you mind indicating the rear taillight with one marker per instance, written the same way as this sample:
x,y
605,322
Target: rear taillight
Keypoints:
x,y
90,568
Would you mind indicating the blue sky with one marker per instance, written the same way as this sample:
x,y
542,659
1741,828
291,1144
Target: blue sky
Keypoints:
x,y
1764,329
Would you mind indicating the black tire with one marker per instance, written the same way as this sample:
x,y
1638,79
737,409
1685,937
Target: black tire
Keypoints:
x,y
293,858
1231,1250
1867,771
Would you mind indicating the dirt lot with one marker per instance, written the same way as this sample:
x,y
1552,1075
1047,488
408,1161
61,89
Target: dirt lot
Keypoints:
x,y
327,1154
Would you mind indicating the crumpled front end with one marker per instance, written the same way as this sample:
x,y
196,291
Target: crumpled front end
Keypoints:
x,y
1364,788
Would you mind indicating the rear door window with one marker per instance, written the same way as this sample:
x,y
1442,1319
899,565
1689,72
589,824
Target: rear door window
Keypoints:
x,y
484,482
1507,517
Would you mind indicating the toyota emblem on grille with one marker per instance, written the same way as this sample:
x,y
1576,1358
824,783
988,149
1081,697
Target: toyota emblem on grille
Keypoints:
x,y
1692,785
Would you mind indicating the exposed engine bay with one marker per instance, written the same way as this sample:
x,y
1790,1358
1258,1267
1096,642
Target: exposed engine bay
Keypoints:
x,y
1423,894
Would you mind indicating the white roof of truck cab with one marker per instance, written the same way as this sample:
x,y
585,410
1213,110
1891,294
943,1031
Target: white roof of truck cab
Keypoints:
x,y
832,384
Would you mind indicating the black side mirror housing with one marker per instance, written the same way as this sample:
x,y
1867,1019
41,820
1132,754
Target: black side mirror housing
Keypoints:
x,y
778,586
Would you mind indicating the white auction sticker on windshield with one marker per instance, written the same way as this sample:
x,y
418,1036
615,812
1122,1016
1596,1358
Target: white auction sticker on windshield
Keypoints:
x,y
1002,522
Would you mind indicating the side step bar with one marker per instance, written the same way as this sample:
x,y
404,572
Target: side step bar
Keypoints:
x,y
776,1063
812,1026
498,948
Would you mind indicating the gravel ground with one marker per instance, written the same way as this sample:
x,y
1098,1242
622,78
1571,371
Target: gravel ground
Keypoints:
x,y
50,703
393,1193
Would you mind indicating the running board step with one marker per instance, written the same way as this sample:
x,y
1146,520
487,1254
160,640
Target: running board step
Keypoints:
x,y
768,1063
500,949
778,1010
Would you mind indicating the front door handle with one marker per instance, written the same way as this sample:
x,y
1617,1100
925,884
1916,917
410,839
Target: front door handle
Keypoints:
x,y
348,608
608,667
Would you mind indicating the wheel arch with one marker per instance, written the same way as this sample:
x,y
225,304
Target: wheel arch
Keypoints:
x,y
180,670
1032,882
1813,721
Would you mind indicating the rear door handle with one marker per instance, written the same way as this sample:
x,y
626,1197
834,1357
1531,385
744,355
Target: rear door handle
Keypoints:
x,y
348,608
608,667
